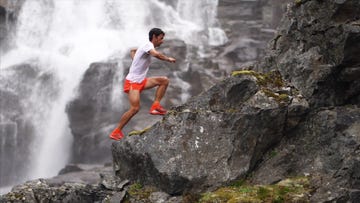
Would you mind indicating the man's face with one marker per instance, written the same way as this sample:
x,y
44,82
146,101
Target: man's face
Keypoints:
x,y
158,40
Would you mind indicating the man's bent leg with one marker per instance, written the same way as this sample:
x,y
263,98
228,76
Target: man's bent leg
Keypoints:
x,y
134,99
162,83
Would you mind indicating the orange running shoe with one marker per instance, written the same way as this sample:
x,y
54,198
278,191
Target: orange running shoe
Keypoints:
x,y
157,109
116,134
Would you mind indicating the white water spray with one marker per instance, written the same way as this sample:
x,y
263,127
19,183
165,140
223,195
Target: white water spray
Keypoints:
x,y
63,37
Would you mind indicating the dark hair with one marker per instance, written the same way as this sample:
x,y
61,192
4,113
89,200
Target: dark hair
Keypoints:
x,y
156,32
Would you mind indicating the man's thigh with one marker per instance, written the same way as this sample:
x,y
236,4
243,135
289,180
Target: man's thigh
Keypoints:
x,y
134,97
154,81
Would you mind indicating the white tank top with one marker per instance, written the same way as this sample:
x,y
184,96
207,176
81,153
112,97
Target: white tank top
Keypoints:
x,y
140,64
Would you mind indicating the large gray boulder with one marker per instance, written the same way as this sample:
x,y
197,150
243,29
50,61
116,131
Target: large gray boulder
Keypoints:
x,y
91,113
317,49
211,140
324,147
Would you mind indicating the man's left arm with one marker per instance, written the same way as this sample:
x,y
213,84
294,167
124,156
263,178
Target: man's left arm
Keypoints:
x,y
161,56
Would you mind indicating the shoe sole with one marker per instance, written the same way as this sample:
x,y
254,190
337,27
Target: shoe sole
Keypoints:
x,y
116,137
157,113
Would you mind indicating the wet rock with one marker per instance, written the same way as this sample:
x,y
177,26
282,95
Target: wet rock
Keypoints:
x,y
86,185
112,182
70,168
9,11
116,198
18,85
91,112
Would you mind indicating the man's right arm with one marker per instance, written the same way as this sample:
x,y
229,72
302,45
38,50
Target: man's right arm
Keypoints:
x,y
132,53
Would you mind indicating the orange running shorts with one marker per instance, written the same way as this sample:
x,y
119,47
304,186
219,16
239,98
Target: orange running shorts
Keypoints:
x,y
128,85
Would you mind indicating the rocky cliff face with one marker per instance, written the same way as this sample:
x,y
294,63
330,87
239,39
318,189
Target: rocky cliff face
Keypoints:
x,y
224,134
249,25
317,50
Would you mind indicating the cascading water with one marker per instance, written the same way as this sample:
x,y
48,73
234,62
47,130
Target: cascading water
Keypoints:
x,y
59,39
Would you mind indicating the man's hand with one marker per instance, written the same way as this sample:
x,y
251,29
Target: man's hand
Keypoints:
x,y
171,60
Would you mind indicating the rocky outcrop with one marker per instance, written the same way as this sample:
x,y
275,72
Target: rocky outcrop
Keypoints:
x,y
211,140
326,148
317,48
88,185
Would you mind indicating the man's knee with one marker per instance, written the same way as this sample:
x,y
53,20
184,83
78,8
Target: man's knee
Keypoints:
x,y
165,80
134,109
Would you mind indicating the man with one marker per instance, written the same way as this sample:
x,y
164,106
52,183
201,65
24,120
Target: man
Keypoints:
x,y
136,80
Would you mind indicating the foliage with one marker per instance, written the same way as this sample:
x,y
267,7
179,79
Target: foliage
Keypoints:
x,y
271,79
139,132
138,192
289,190
298,2
268,82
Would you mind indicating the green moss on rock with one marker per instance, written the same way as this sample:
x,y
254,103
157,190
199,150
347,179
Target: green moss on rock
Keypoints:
x,y
280,98
139,132
268,82
288,190
138,192
273,78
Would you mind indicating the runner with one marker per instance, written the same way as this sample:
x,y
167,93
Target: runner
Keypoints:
x,y
136,80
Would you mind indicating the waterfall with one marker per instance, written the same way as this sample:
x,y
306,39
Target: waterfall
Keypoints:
x,y
204,18
61,38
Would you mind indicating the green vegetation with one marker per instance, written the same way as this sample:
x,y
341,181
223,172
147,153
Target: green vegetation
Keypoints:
x,y
272,79
139,132
297,2
138,192
280,98
268,82
289,190
273,154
